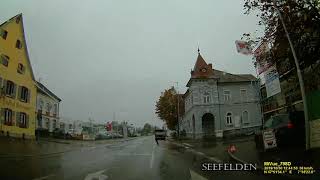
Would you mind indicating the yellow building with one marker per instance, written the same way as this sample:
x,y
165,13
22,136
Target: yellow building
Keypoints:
x,y
17,82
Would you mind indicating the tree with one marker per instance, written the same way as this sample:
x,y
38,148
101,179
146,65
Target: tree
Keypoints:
x,y
147,128
302,19
167,106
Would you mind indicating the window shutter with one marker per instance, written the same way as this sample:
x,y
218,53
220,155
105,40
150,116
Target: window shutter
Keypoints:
x,y
19,92
14,118
28,95
27,120
14,90
1,115
4,82
18,118
0,82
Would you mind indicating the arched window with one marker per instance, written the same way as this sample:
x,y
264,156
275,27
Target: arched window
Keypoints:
x,y
206,98
229,118
245,117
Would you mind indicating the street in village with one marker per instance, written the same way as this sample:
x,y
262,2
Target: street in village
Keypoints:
x,y
132,158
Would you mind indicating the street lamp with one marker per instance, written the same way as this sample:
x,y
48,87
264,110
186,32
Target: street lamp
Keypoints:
x,y
178,110
301,83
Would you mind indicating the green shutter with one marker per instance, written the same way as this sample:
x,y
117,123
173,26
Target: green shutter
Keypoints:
x,y
14,90
4,82
28,95
19,92
14,119
1,115
17,118
27,120
0,82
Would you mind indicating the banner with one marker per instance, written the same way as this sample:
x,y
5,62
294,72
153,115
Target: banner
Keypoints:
x,y
243,47
260,53
272,81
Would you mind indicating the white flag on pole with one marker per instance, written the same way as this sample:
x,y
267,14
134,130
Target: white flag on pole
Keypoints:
x,y
243,47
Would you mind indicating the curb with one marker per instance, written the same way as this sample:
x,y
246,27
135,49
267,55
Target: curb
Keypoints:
x,y
198,153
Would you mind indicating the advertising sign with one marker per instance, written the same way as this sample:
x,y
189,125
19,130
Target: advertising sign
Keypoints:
x,y
272,81
269,139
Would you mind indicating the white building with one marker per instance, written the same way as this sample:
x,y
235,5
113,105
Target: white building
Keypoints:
x,y
48,105
218,103
70,126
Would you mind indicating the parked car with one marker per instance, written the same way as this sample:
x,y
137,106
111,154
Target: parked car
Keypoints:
x,y
59,133
289,129
103,136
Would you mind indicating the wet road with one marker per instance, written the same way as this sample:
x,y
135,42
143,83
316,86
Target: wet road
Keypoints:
x,y
136,159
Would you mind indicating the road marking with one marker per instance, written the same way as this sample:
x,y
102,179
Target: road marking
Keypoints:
x,y
200,153
96,175
44,177
152,157
133,154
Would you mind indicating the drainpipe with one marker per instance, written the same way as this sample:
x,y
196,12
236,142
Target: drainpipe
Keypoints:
x,y
219,104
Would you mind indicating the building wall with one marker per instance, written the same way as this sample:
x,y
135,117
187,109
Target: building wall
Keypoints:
x,y
47,112
8,48
197,105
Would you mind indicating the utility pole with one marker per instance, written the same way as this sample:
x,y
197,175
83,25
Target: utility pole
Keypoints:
x,y
301,83
178,110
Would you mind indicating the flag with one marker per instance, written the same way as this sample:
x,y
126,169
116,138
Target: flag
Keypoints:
x,y
243,47
261,49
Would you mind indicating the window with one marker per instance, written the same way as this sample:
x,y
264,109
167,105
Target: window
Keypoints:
x,y
227,95
243,95
229,118
47,123
18,44
10,89
4,60
55,109
206,98
40,104
21,68
24,94
22,119
3,33
245,117
8,117
54,124
49,106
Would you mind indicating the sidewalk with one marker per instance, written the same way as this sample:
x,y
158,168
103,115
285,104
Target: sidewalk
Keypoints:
x,y
217,148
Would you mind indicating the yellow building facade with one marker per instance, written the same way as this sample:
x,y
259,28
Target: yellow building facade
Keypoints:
x,y
17,82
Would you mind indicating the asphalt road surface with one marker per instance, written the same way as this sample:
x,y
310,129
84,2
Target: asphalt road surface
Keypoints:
x,y
137,159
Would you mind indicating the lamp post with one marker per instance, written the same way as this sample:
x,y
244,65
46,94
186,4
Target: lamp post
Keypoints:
x,y
301,83
178,98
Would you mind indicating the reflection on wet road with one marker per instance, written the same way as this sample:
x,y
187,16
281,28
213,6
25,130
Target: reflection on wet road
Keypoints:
x,y
138,159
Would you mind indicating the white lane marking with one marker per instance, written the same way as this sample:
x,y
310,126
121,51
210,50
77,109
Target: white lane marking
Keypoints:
x,y
152,157
133,154
44,177
96,175
200,153
196,176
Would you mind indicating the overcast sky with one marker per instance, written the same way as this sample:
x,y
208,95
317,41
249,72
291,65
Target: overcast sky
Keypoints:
x,y
106,56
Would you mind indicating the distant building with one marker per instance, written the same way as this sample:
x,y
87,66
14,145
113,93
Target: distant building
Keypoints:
x,y
70,126
218,103
48,105
17,82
